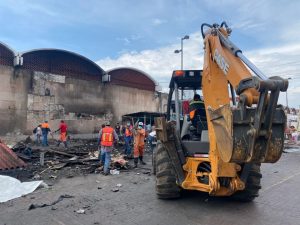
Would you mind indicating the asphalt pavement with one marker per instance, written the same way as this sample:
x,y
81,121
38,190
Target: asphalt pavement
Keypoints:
x,y
134,201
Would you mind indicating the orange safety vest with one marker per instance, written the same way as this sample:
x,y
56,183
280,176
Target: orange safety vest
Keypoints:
x,y
45,125
128,132
107,138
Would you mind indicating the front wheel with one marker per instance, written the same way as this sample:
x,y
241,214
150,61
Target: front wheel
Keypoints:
x,y
166,186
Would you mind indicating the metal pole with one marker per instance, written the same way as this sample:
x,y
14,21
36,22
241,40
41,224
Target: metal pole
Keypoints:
x,y
181,53
177,113
182,64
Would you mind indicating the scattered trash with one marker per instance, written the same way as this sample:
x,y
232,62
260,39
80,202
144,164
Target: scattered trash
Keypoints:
x,y
146,172
119,161
115,189
36,177
80,211
99,187
119,185
34,206
52,176
80,158
74,158
138,173
114,172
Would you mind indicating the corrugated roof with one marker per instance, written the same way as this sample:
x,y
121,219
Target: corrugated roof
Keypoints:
x,y
131,77
8,159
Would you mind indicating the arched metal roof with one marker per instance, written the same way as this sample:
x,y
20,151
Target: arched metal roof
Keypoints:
x,y
132,77
7,55
59,61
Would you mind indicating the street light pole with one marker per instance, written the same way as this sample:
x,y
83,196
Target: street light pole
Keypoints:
x,y
181,49
181,53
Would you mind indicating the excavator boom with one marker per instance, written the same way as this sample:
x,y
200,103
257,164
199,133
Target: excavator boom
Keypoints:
x,y
254,130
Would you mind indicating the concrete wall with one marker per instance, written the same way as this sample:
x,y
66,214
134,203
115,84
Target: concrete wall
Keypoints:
x,y
14,86
23,103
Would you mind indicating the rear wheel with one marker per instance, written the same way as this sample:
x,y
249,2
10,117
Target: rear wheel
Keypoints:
x,y
252,185
166,187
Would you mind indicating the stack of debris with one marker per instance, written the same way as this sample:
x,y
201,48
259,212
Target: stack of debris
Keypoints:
x,y
50,163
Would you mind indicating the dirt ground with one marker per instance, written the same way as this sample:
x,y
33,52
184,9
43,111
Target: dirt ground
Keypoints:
x,y
135,201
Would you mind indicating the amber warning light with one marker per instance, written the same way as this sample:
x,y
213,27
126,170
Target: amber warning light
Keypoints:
x,y
179,73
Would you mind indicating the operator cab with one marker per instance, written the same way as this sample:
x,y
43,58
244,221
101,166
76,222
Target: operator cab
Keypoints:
x,y
186,107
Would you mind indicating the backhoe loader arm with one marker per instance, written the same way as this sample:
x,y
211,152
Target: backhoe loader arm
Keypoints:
x,y
244,134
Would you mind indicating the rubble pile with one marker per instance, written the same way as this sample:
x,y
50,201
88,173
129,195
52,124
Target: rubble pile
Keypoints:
x,y
52,162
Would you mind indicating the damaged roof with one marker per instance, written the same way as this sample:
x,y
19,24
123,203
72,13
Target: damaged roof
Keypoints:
x,y
8,159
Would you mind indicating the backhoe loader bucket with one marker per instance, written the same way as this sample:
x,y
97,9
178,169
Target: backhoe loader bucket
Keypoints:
x,y
237,139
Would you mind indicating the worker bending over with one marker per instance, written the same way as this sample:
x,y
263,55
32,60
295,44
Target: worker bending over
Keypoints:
x,y
107,137
139,144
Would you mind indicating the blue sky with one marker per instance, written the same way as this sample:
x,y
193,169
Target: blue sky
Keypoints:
x,y
144,34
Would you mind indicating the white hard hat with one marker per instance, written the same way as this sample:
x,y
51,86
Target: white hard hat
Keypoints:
x,y
141,124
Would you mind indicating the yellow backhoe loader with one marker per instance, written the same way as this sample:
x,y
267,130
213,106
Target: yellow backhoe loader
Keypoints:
x,y
218,146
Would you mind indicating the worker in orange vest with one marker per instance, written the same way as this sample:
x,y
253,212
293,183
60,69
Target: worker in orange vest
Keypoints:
x,y
107,137
139,144
128,139
45,131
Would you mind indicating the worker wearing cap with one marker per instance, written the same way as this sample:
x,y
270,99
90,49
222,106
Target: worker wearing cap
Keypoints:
x,y
197,108
45,130
107,137
139,144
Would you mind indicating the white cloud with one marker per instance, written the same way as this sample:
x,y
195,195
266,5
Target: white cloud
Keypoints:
x,y
130,39
159,63
157,21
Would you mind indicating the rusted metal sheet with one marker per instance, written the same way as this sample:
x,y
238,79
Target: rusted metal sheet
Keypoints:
x,y
8,159
62,62
131,78
6,56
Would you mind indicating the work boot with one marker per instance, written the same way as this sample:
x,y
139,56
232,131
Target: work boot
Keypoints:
x,y
141,160
136,160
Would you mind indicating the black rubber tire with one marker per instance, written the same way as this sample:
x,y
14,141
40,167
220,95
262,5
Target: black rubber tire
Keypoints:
x,y
252,185
166,186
